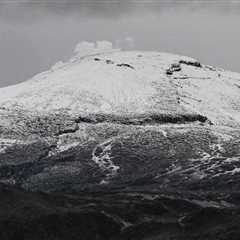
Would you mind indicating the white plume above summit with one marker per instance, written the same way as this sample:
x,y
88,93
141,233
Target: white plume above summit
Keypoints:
x,y
84,48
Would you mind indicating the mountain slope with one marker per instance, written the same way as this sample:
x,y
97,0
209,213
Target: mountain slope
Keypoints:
x,y
124,145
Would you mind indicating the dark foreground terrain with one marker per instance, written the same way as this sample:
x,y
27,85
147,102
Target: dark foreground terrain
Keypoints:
x,y
109,180
119,215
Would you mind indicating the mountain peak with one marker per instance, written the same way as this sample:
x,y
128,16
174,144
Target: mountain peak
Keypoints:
x,y
104,80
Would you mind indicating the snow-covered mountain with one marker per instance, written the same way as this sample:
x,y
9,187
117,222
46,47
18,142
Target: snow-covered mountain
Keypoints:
x,y
146,144
110,81
114,118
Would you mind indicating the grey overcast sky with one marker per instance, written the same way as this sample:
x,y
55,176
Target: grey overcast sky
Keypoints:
x,y
34,34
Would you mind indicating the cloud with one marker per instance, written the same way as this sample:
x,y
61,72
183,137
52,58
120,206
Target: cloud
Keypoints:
x,y
130,42
85,48
26,10
127,43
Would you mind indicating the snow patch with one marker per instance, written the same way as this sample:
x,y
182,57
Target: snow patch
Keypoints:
x,y
61,147
101,155
164,133
6,143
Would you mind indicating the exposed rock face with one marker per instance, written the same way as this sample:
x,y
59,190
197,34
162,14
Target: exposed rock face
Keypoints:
x,y
127,122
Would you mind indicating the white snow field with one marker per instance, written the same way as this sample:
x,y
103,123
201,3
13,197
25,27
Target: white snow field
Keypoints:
x,y
100,79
